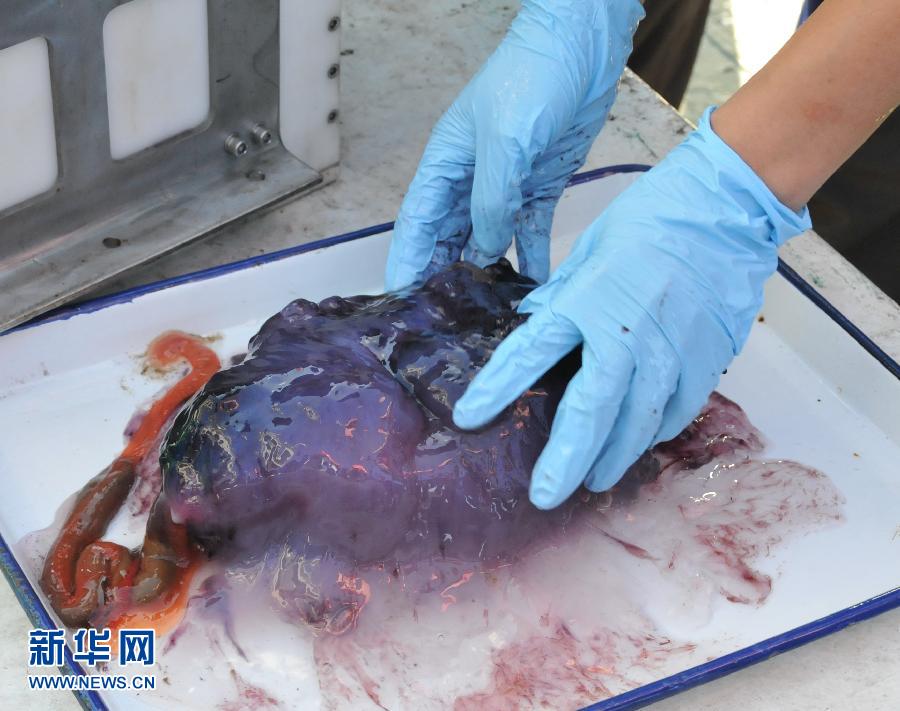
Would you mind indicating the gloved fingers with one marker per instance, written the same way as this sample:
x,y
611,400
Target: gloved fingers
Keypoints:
x,y
417,251
695,385
450,240
583,271
512,131
586,415
523,357
532,229
561,284
434,219
501,166
542,190
583,250
682,408
654,381
560,159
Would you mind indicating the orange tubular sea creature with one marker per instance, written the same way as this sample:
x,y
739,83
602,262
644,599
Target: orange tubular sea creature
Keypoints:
x,y
87,578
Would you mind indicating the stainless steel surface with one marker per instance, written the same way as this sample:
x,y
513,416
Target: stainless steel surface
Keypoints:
x,y
58,244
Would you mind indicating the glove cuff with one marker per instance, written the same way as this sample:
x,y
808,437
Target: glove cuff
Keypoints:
x,y
742,182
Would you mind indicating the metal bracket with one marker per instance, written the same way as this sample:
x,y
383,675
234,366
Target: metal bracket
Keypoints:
x,y
104,216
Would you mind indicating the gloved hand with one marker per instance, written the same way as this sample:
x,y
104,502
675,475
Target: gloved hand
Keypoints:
x,y
660,292
499,158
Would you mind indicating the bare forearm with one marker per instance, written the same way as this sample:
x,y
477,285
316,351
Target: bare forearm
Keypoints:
x,y
798,119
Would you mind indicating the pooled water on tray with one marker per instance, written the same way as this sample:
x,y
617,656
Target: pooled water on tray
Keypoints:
x,y
616,601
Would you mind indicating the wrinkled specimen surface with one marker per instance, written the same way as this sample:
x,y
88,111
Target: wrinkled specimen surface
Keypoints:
x,y
624,591
336,430
323,474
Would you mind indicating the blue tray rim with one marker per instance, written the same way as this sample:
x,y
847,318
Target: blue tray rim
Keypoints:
x,y
40,618
635,698
728,663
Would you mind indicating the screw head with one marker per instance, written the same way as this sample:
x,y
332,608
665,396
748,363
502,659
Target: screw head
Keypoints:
x,y
334,23
262,135
333,71
235,145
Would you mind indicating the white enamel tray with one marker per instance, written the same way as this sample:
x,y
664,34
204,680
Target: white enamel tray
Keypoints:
x,y
819,390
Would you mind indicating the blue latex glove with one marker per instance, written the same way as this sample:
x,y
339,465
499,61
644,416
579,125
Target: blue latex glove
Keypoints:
x,y
499,158
660,292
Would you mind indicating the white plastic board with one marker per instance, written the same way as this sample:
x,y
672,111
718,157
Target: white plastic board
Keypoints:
x,y
157,75
29,165
157,71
